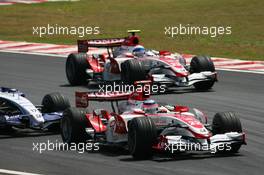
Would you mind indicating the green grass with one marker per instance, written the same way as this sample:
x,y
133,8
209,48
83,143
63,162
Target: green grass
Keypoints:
x,y
114,17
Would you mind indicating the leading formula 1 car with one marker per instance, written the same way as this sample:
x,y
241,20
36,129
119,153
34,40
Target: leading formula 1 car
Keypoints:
x,y
122,63
17,111
145,126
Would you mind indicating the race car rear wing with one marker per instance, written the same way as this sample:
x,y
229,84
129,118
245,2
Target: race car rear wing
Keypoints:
x,y
140,93
83,45
83,98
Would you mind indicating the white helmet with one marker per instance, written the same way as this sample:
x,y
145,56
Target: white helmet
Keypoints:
x,y
138,51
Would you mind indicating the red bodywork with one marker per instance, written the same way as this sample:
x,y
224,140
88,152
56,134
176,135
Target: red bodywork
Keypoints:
x,y
95,120
175,65
97,64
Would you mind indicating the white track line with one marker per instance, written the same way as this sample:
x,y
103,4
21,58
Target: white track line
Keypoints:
x,y
227,62
259,70
11,2
30,48
33,53
242,66
4,46
243,71
11,172
28,1
6,3
58,50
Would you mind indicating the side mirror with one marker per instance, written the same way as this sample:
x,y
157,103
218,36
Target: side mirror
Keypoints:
x,y
181,108
139,111
164,52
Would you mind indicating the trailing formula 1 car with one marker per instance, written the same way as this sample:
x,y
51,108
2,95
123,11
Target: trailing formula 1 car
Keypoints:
x,y
17,111
145,126
127,61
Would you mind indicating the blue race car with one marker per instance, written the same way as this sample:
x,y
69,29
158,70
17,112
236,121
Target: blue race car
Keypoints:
x,y
17,111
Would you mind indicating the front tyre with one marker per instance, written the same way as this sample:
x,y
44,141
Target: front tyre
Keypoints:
x,y
224,122
132,70
142,133
199,64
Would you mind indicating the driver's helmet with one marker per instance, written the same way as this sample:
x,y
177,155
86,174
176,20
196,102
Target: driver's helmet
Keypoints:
x,y
138,51
150,106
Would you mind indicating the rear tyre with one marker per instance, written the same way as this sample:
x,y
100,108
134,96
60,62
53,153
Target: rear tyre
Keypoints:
x,y
200,64
132,70
142,133
227,122
54,102
76,66
73,126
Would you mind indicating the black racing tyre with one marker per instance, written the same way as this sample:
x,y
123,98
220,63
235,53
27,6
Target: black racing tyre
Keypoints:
x,y
142,133
132,70
76,66
224,122
73,126
54,102
199,64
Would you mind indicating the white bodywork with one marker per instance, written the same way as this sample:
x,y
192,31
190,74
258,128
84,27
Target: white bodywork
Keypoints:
x,y
155,60
217,142
25,106
128,115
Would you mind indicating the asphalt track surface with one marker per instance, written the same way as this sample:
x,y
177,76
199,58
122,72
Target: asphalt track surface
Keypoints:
x,y
38,75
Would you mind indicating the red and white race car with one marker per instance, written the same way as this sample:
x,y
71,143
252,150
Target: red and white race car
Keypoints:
x,y
145,126
123,59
